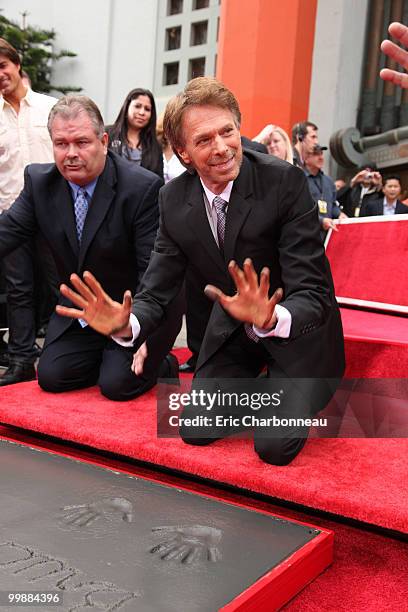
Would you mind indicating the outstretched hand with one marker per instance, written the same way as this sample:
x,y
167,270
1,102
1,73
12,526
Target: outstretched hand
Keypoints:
x,y
251,304
400,33
102,313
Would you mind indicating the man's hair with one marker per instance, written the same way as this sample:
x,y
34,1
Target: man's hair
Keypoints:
x,y
198,92
7,50
299,130
371,166
69,107
393,177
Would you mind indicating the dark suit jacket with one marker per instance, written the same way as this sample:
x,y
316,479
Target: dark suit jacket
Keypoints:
x,y
119,230
376,207
252,144
272,219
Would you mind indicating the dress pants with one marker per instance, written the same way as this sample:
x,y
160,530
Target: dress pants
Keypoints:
x,y
240,357
21,280
81,358
198,311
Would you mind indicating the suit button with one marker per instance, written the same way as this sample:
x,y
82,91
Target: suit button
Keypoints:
x,y
225,334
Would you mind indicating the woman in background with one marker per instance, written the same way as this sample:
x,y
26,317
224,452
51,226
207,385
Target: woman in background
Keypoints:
x,y
276,141
133,135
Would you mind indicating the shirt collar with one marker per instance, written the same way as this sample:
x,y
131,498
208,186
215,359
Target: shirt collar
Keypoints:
x,y
389,204
225,195
89,188
28,98
306,171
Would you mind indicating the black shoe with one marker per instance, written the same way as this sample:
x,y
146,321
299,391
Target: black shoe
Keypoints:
x,y
186,368
4,359
18,372
169,367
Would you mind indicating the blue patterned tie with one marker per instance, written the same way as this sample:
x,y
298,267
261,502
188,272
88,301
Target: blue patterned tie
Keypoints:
x,y
81,209
220,206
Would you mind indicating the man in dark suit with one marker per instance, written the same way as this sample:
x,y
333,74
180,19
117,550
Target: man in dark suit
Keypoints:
x,y
387,203
245,226
198,308
96,213
363,188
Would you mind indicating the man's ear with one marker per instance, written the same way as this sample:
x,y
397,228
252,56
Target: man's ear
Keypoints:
x,y
184,156
105,140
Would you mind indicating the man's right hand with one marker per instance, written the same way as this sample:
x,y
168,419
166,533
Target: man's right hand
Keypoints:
x,y
358,178
102,313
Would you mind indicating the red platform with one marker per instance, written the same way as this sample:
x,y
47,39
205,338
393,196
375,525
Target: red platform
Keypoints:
x,y
368,261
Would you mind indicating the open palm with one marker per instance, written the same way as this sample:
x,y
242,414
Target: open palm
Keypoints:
x,y
251,304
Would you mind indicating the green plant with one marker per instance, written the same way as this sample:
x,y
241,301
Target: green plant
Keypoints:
x,y
35,47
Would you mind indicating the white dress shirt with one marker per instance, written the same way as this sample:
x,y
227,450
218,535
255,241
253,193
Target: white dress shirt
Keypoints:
x,y
389,207
172,167
24,139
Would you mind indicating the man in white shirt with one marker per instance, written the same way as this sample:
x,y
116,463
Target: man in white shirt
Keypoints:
x,y
24,140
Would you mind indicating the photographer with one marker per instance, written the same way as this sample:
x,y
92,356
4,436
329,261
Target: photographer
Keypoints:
x,y
364,187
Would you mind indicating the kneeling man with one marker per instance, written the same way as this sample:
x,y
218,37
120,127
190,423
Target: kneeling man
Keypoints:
x,y
97,213
244,225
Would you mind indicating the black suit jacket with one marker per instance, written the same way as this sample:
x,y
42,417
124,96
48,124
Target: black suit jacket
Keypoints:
x,y
119,230
272,219
254,145
376,207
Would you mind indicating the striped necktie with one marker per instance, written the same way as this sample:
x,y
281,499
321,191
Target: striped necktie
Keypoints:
x,y
220,205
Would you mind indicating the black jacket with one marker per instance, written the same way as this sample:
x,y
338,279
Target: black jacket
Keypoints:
x,y
119,230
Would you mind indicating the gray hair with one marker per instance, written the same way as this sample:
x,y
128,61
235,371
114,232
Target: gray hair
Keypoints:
x,y
71,106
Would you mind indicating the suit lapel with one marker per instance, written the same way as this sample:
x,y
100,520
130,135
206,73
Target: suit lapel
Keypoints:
x,y
238,209
198,222
63,204
101,200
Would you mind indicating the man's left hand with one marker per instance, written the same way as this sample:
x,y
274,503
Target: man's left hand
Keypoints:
x,y
251,304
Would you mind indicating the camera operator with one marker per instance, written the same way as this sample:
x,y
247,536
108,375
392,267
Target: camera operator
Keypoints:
x,y
364,187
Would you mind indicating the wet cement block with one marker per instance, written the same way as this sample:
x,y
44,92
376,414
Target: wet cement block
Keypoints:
x,y
111,541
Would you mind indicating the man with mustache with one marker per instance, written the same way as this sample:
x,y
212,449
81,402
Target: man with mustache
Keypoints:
x,y
97,213
24,139
245,226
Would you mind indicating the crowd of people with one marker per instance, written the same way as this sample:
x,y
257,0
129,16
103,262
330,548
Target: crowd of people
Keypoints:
x,y
80,206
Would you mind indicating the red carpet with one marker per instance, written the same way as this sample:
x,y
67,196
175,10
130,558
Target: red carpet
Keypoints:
x,y
363,479
376,344
368,573
366,260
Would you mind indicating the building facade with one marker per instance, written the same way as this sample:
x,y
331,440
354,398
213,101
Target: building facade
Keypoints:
x,y
286,61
